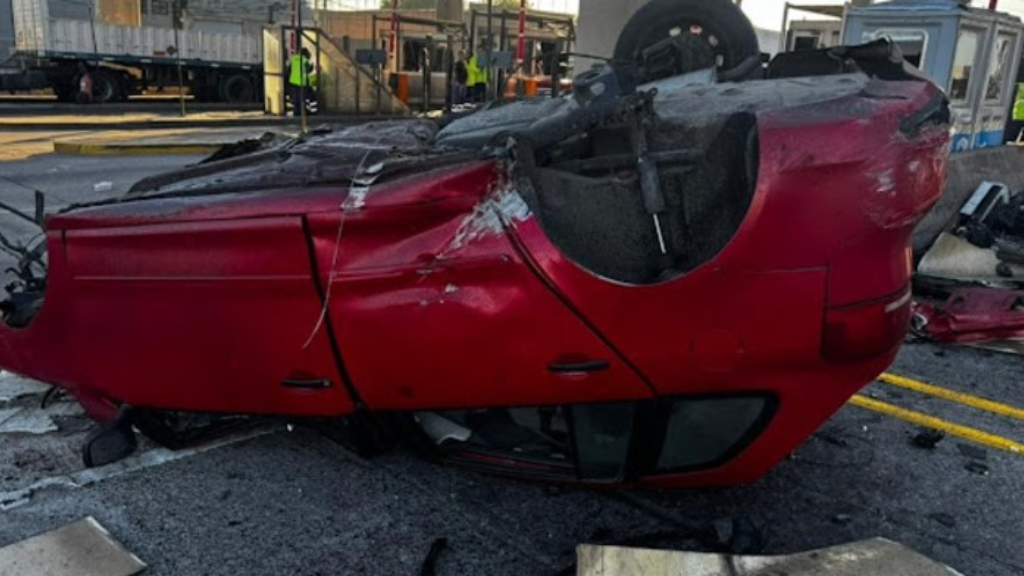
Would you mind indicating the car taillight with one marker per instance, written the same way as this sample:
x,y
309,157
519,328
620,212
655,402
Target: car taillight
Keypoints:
x,y
862,331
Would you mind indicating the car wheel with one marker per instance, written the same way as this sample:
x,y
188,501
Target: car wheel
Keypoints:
x,y
671,37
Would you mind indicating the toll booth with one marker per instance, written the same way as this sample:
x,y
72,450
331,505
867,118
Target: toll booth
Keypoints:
x,y
974,54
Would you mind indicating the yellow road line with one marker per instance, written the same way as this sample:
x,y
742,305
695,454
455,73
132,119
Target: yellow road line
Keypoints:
x,y
953,396
960,431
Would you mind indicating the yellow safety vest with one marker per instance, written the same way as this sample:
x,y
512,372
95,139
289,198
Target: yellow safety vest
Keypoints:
x,y
299,71
474,74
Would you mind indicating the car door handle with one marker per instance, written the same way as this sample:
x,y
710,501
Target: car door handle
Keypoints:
x,y
577,367
306,384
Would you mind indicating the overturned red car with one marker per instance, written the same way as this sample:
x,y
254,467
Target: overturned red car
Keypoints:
x,y
665,284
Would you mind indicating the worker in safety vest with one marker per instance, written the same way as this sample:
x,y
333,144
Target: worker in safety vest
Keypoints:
x,y
477,76
301,82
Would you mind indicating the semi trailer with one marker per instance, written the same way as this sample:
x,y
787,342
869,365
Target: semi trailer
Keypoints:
x,y
212,49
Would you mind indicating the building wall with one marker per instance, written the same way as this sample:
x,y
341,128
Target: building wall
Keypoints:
x,y
600,22
358,26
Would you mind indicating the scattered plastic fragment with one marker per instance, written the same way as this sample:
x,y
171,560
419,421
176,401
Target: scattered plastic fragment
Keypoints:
x,y
977,468
927,439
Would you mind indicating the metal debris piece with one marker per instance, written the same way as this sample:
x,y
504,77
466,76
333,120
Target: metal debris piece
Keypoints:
x,y
81,549
877,556
973,315
927,439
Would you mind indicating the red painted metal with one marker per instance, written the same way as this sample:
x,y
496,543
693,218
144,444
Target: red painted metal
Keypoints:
x,y
828,231
448,294
188,315
974,315
419,262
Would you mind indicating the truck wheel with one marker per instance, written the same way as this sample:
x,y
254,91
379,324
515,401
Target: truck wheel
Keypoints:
x,y
237,89
106,86
671,37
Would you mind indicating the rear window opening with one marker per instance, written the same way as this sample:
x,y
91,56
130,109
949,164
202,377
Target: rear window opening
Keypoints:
x,y
588,196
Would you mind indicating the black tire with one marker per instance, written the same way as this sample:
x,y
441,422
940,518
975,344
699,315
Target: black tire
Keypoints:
x,y
237,89
106,86
724,32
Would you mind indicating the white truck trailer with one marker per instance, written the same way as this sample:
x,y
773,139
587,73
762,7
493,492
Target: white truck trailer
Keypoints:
x,y
213,47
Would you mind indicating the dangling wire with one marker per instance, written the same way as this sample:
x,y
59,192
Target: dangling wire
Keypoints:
x,y
349,205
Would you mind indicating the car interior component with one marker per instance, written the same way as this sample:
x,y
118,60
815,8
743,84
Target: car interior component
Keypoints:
x,y
110,442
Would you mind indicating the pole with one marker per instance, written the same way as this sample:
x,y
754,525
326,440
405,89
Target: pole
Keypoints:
x,y
292,41
177,52
427,72
556,78
450,67
92,28
490,44
992,4
303,74
500,79
393,47
521,48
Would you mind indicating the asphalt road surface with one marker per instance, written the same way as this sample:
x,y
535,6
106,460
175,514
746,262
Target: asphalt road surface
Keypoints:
x,y
280,501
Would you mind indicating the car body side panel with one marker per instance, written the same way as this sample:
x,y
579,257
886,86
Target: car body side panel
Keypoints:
x,y
196,316
751,320
434,308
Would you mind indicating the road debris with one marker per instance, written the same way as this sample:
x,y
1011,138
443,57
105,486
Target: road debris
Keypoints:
x,y
972,452
970,282
877,556
977,468
17,419
13,386
84,548
429,567
927,439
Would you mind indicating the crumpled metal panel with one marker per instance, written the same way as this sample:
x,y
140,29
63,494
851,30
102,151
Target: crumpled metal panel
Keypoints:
x,y
973,315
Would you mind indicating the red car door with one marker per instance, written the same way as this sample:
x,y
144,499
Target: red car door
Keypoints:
x,y
434,308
